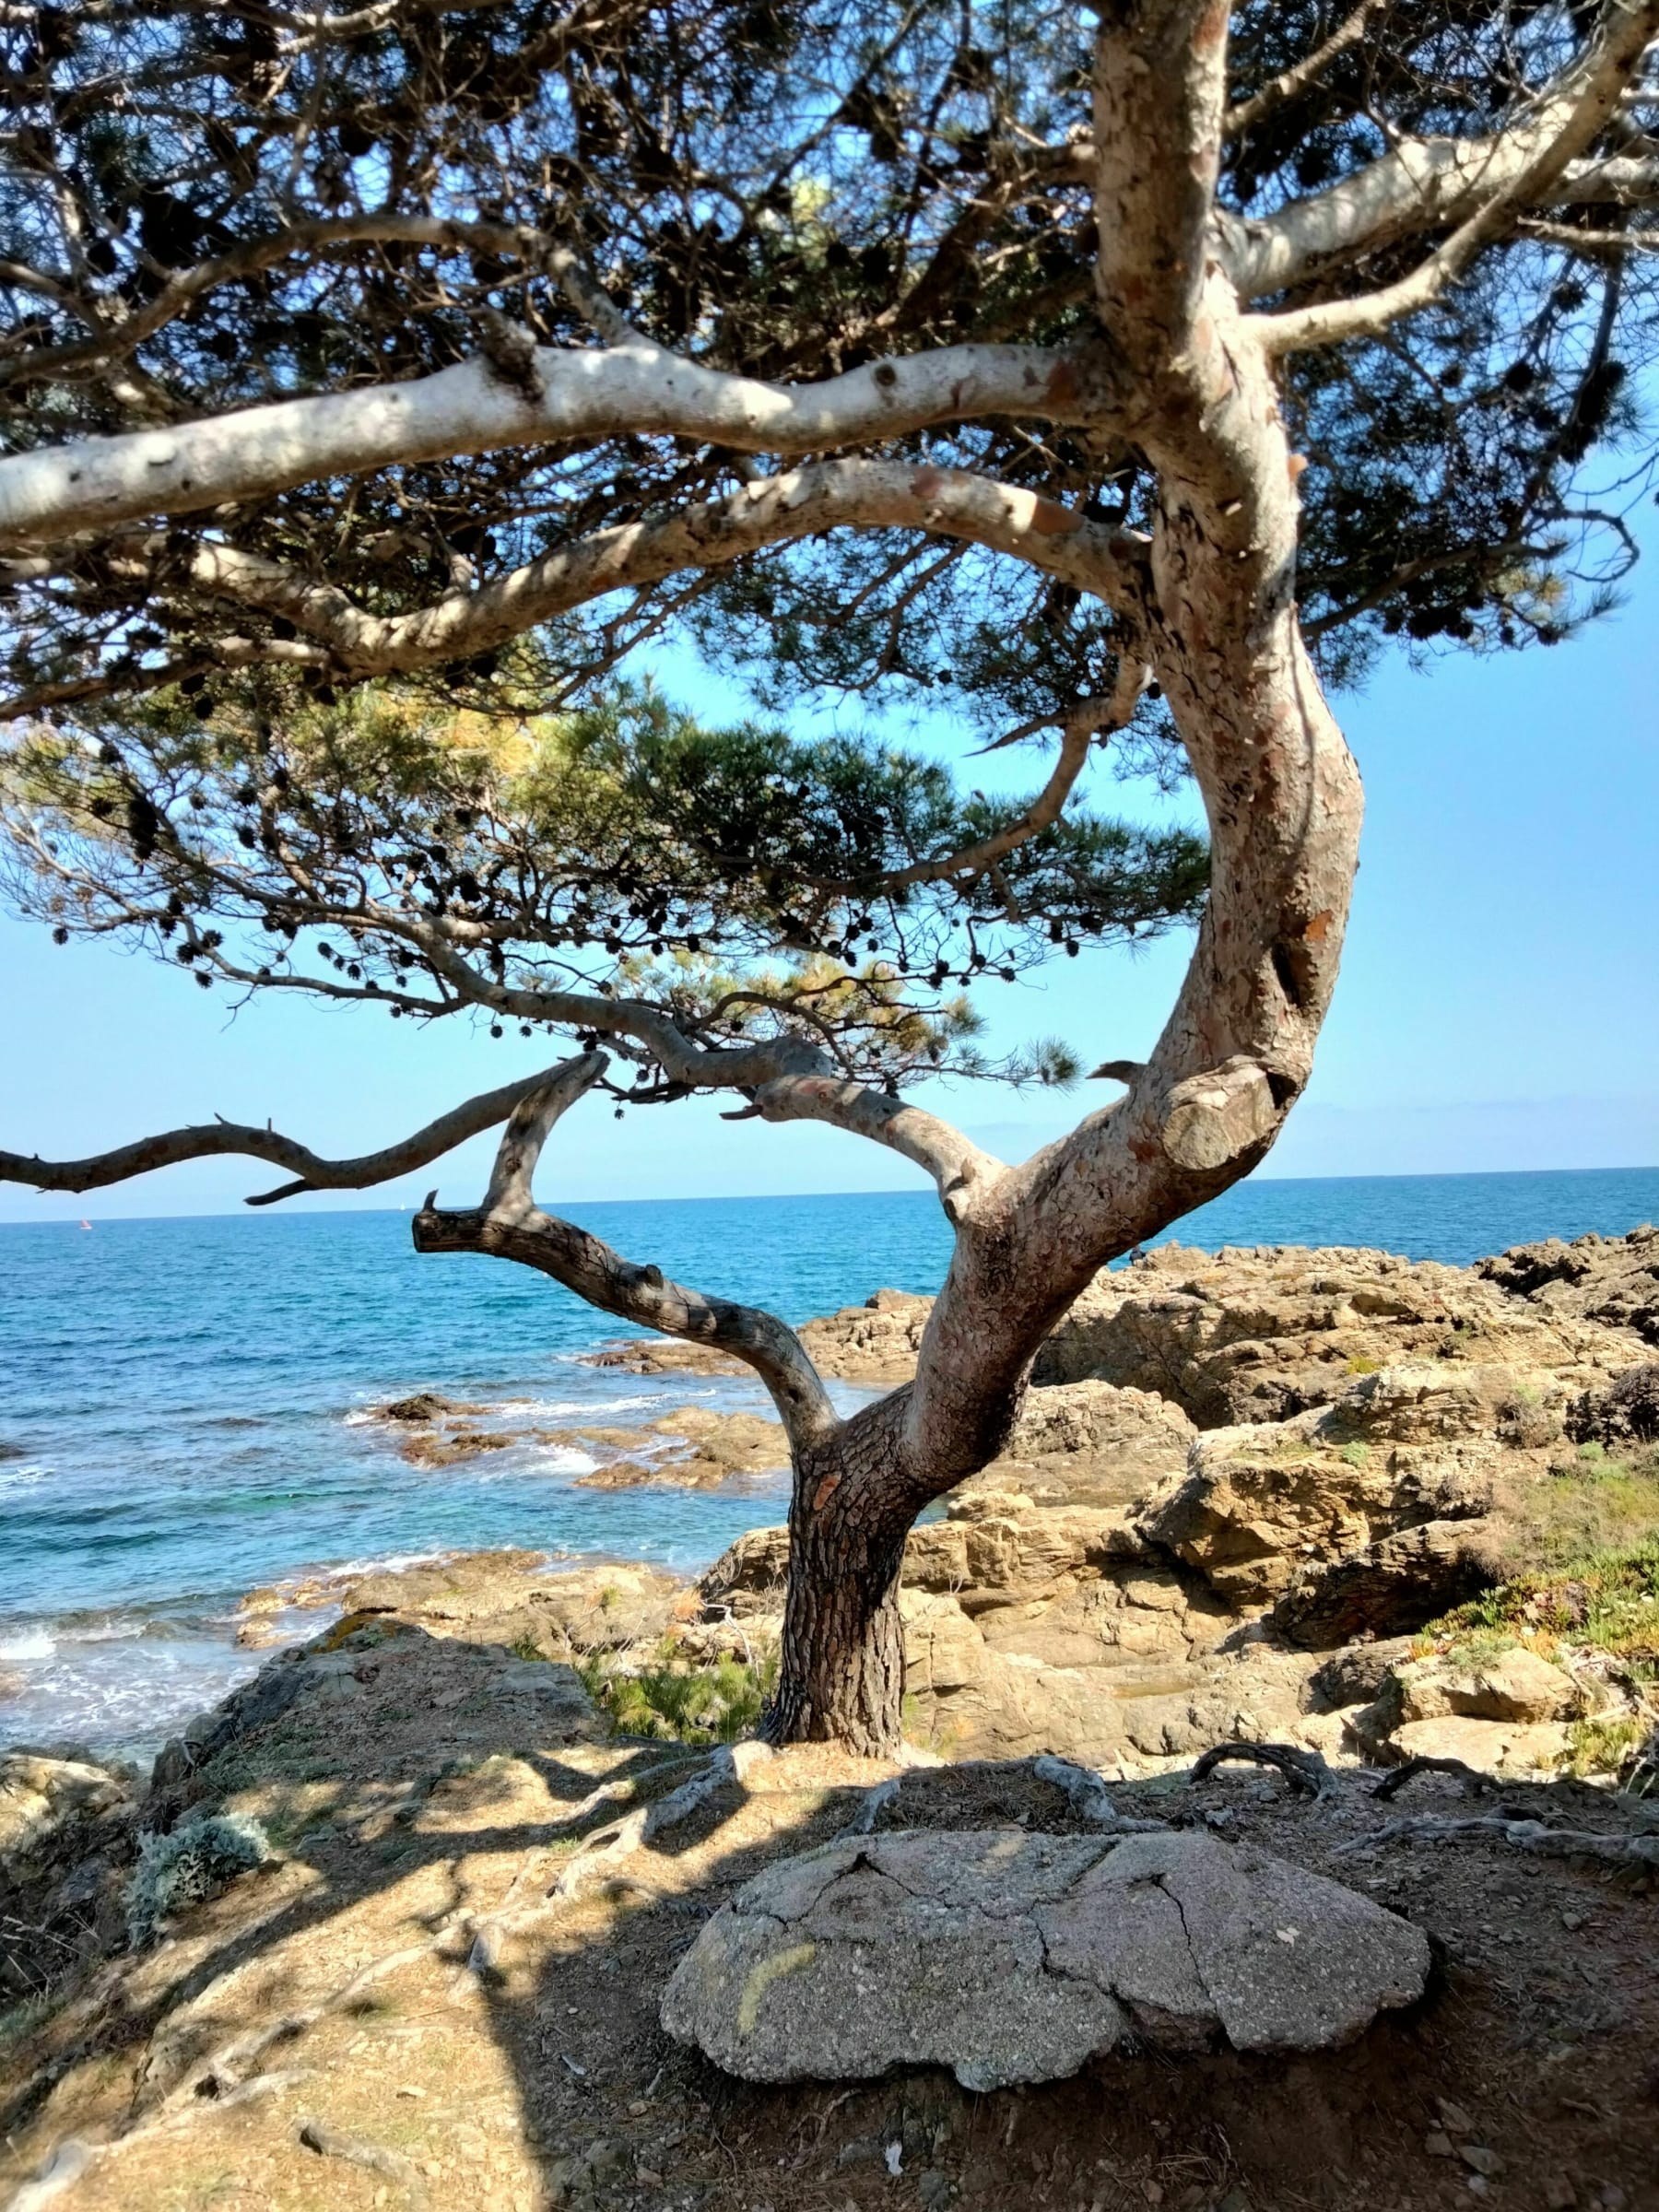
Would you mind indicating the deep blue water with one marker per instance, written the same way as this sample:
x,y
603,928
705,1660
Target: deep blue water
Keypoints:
x,y
182,1402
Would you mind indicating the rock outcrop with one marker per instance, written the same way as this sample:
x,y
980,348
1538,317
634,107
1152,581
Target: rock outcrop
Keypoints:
x,y
1614,1280
66,1829
1013,1957
875,1343
1266,1507
1504,1713
695,1448
1261,1335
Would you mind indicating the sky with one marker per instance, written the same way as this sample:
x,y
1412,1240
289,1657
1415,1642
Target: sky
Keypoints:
x,y
1496,1008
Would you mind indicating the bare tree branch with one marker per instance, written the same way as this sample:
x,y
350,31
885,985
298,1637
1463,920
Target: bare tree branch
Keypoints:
x,y
509,1225
544,394
311,1172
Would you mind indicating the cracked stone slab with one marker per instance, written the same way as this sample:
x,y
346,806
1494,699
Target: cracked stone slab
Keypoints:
x,y
1014,1957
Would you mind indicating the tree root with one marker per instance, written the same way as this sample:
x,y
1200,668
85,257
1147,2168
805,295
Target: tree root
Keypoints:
x,y
330,2143
1637,1851
1306,1772
1088,1796
1475,1784
871,1806
223,2077
616,1792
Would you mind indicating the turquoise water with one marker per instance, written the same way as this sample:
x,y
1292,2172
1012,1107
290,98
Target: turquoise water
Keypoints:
x,y
183,1401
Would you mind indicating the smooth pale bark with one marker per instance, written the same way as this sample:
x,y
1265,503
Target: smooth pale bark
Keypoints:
x,y
835,495
541,396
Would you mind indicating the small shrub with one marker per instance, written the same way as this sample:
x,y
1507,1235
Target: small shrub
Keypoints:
x,y
1602,1746
1360,1365
1356,1454
676,1702
196,1861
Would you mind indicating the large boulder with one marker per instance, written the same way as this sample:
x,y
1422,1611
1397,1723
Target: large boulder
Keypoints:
x,y
696,1448
1262,1504
874,1344
1012,1956
1626,1412
1501,1712
1394,1585
67,1822
50,1802
1089,1443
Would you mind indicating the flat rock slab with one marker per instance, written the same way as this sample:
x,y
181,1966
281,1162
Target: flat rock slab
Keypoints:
x,y
1015,1957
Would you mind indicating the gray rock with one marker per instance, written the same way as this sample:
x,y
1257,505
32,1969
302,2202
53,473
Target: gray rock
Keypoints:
x,y
1015,1957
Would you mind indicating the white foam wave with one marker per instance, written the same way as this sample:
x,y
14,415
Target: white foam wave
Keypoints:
x,y
22,1478
552,1459
117,1628
362,1418
394,1563
34,1643
549,1409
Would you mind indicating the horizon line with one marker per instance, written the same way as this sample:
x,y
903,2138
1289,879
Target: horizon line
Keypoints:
x,y
244,1212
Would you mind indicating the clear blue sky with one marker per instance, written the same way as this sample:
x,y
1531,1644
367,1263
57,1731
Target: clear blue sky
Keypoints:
x,y
1496,1008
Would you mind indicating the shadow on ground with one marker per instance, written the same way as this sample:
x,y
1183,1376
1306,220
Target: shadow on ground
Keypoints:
x,y
445,1993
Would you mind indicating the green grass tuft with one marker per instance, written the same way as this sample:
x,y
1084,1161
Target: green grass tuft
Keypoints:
x,y
676,1702
1608,1600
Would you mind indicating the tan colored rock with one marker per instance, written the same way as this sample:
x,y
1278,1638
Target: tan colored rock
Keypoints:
x,y
1513,1685
1516,1748
1089,1443
48,1804
1394,1585
450,1447
1504,1713
1260,1505
513,1596
1260,1335
875,1343
1614,1280
705,1450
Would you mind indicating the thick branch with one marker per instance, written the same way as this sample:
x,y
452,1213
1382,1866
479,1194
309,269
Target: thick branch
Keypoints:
x,y
311,1172
510,1226
957,1166
1422,185
1565,124
773,511
544,394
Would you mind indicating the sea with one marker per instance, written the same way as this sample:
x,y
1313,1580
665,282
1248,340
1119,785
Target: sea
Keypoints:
x,y
187,1406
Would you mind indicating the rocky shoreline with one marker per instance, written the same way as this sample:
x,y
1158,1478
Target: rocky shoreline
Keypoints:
x,y
1241,1488
1379,1525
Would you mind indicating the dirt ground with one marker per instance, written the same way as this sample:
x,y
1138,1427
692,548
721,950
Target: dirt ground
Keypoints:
x,y
396,2013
